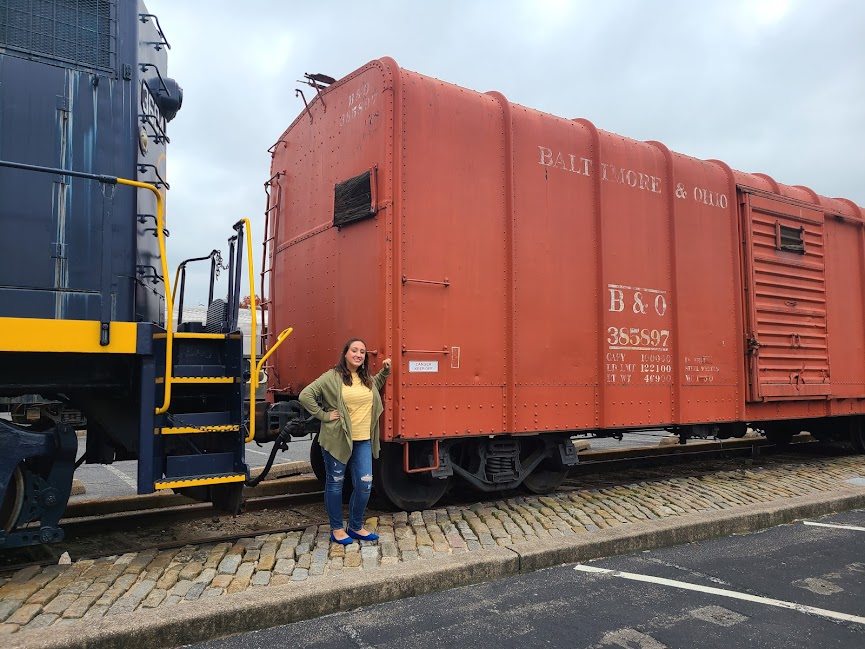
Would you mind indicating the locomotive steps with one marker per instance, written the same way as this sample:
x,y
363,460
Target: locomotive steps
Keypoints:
x,y
196,593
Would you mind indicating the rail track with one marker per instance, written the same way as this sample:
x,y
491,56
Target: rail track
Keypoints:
x,y
164,521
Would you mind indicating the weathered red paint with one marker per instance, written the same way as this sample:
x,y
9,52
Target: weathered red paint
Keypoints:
x,y
556,277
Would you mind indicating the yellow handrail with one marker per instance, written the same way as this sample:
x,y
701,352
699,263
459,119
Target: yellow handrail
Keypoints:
x,y
253,381
176,280
253,339
285,333
169,306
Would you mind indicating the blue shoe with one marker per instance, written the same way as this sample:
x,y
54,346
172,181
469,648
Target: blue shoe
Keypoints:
x,y
368,537
346,541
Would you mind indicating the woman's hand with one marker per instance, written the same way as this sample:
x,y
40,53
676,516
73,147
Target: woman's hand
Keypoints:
x,y
333,415
386,363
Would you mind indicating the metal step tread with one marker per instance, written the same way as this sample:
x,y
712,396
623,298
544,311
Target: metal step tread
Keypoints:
x,y
205,379
200,370
194,419
187,430
197,481
194,335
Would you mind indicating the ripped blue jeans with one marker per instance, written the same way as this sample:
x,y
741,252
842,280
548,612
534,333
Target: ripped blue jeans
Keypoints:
x,y
360,465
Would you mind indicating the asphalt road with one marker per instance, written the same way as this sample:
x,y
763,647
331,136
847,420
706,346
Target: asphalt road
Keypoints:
x,y
792,586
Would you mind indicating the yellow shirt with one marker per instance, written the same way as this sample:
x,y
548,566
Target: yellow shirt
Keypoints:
x,y
358,402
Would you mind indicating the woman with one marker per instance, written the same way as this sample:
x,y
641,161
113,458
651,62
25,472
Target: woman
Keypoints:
x,y
349,434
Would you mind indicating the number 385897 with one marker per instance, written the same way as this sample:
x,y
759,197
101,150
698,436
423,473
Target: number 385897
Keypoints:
x,y
636,337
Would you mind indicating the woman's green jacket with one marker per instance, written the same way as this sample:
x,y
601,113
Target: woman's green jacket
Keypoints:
x,y
335,436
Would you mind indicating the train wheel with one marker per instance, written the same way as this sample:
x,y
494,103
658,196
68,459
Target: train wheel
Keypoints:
x,y
736,430
545,478
780,438
316,460
407,491
227,497
13,501
857,435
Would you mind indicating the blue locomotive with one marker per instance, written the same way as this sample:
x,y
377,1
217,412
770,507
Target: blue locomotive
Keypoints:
x,y
86,335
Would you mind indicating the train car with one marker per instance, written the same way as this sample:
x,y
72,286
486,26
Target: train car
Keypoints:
x,y
535,278
86,336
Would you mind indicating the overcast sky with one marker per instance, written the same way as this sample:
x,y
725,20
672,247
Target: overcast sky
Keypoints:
x,y
771,86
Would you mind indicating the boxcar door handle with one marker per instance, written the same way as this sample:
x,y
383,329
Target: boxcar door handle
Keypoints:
x,y
443,350
406,280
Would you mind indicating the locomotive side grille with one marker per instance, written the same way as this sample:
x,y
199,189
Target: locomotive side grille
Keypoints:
x,y
788,299
82,33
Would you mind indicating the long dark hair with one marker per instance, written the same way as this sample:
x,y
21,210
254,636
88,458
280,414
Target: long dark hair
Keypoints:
x,y
362,371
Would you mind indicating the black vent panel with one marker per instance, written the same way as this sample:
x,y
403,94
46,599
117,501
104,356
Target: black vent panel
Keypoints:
x,y
78,32
353,199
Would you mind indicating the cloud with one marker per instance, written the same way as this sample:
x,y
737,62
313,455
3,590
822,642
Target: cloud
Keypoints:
x,y
774,86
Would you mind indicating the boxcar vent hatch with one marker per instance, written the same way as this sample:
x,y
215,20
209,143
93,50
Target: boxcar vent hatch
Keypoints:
x,y
786,289
353,199
789,239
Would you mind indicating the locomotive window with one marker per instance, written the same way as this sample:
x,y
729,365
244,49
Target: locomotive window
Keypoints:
x,y
353,199
789,239
77,32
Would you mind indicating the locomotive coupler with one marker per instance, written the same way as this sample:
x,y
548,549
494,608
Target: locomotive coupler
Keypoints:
x,y
287,417
283,420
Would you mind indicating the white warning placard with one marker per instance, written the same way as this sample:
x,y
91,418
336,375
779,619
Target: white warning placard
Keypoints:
x,y
423,366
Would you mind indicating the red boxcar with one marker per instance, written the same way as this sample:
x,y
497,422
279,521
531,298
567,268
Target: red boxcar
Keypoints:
x,y
534,277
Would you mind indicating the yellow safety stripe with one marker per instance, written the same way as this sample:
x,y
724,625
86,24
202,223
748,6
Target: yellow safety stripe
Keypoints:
x,y
72,336
181,430
197,336
196,482
192,334
205,379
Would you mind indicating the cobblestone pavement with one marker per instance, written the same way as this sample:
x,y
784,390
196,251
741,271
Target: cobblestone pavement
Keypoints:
x,y
36,597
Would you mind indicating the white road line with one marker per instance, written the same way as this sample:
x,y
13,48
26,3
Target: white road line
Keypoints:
x,y
839,527
822,612
122,476
252,450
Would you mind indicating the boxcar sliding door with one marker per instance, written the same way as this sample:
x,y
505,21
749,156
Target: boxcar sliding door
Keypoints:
x,y
785,289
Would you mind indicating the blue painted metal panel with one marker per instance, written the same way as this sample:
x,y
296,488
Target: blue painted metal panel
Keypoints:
x,y
74,238
74,248
29,133
149,445
78,304
149,296
182,466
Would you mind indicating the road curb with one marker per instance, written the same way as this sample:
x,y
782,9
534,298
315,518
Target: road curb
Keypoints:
x,y
682,530
272,606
